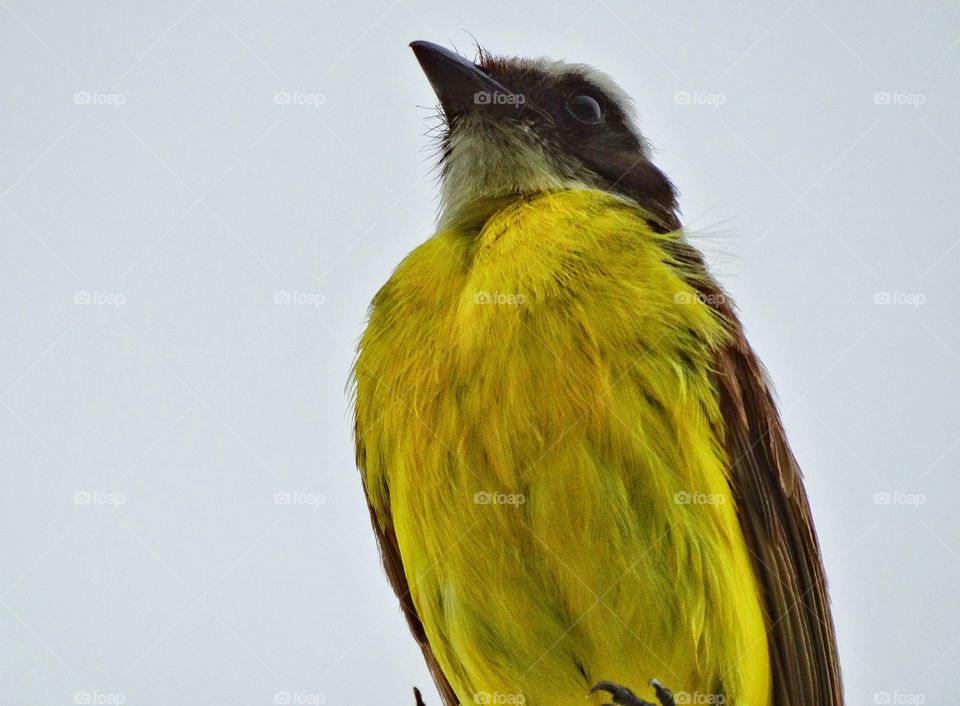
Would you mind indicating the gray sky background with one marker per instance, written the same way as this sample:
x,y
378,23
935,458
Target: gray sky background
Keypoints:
x,y
158,201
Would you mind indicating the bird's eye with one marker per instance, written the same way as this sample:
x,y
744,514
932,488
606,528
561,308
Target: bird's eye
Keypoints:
x,y
585,109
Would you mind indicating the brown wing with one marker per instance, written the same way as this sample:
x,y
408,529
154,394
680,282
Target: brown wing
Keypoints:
x,y
775,517
772,503
390,556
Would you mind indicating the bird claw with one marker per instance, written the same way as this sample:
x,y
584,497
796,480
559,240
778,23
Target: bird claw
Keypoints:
x,y
622,696
664,695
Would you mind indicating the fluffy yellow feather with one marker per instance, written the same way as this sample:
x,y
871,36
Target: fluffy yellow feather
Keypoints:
x,y
539,430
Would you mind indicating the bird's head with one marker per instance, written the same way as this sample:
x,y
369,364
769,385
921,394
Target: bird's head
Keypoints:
x,y
517,126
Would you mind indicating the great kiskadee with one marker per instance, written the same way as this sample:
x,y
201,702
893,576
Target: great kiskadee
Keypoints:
x,y
575,468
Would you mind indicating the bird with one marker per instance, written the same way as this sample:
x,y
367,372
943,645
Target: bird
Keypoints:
x,y
574,465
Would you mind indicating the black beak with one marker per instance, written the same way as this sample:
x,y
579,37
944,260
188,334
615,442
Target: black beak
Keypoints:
x,y
459,84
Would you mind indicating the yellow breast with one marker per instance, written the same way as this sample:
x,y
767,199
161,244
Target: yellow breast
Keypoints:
x,y
542,433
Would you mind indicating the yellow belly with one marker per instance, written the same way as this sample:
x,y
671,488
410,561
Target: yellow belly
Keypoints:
x,y
544,436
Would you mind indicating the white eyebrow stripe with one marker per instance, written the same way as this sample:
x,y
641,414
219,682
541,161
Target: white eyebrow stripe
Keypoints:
x,y
597,78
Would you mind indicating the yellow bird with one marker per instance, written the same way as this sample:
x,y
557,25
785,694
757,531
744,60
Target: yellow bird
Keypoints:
x,y
575,469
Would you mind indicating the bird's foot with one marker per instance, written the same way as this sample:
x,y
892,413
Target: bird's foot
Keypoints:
x,y
418,697
622,696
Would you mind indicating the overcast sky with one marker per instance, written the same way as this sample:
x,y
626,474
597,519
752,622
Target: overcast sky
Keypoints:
x,y
198,199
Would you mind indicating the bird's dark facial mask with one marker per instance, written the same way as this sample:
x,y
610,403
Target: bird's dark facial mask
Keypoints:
x,y
518,126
